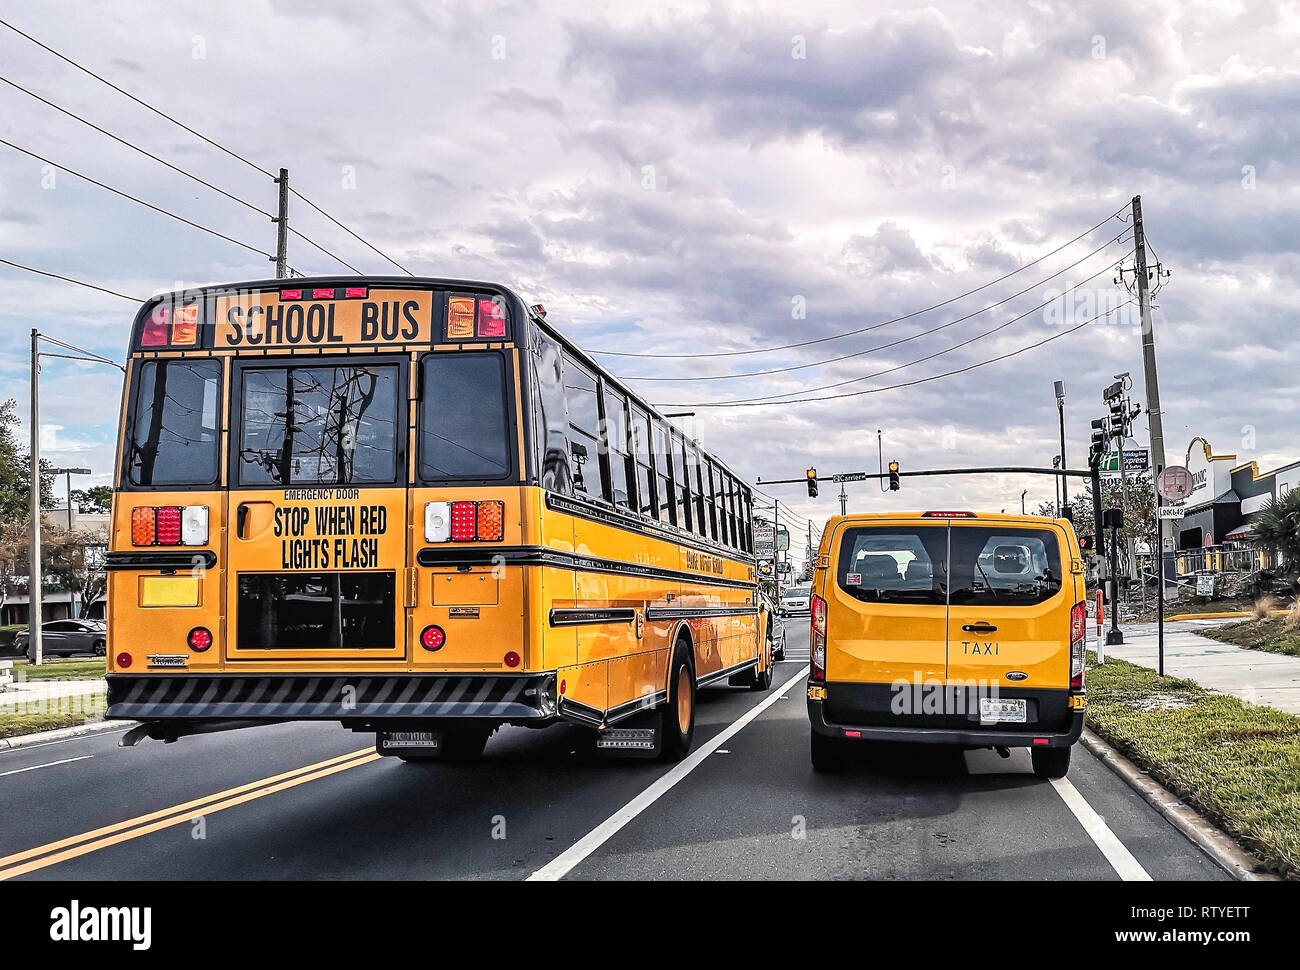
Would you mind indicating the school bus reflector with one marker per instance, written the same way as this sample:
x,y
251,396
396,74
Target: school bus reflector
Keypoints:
x,y
460,318
169,591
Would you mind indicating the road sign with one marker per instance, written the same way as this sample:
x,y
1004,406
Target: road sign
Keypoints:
x,y
1174,483
1135,460
1170,512
850,477
1205,584
782,539
764,541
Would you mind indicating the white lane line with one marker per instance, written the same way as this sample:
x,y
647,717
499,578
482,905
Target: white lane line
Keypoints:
x,y
560,866
51,764
1116,853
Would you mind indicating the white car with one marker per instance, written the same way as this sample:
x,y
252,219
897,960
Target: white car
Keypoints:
x,y
795,600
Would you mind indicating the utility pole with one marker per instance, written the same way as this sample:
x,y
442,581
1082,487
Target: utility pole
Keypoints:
x,y
34,584
844,500
1058,388
282,228
1155,417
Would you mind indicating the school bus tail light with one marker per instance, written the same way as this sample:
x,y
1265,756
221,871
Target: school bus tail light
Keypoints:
x,y
1078,628
464,521
432,638
460,318
171,326
437,521
199,639
817,631
491,521
491,319
169,525
154,333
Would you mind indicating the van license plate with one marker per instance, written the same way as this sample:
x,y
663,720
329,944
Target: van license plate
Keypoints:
x,y
998,709
428,740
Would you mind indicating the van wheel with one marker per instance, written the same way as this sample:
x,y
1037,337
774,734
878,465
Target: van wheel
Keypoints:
x,y
829,754
1050,762
677,716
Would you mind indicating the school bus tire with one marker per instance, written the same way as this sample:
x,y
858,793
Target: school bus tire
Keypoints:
x,y
1050,762
674,740
829,755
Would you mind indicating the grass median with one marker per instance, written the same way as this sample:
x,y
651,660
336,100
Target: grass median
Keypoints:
x,y
62,668
1270,634
1236,763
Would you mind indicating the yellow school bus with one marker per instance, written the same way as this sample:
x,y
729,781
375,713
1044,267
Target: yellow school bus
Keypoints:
x,y
413,507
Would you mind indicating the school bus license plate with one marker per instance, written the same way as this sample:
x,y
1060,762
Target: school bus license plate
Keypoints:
x,y
424,740
994,710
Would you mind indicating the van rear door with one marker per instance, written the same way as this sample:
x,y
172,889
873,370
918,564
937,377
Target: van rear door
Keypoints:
x,y
1010,596
886,616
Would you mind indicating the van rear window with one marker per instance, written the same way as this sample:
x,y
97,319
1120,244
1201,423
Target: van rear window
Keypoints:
x,y
962,565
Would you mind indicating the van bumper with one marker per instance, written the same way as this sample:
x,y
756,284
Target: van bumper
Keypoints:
x,y
1061,732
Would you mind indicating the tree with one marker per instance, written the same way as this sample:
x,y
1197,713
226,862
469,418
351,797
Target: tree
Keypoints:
x,y
63,559
96,500
15,474
1277,529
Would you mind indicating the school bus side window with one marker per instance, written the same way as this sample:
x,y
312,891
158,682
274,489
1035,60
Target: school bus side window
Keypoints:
x,y
175,438
663,488
682,503
644,471
584,425
622,475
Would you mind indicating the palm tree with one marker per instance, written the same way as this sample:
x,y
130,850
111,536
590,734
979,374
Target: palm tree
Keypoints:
x,y
1278,529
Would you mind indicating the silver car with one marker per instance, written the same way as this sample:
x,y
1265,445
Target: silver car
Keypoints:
x,y
66,638
795,600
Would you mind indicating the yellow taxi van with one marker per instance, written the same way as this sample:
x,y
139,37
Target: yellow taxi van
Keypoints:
x,y
948,628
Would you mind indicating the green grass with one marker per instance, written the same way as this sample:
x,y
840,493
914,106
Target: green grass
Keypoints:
x,y
46,714
62,668
1237,764
1268,634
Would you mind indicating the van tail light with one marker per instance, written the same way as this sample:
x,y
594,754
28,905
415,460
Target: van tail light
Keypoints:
x,y
817,638
169,525
464,521
1078,639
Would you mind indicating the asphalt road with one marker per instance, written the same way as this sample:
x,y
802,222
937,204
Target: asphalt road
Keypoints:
x,y
306,801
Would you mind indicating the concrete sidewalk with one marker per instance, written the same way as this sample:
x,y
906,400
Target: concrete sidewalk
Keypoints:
x,y
1270,679
32,692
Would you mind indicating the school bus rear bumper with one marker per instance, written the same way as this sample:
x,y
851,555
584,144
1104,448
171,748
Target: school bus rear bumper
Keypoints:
x,y
498,697
863,718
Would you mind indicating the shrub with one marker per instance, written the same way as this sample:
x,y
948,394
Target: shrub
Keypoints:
x,y
1263,606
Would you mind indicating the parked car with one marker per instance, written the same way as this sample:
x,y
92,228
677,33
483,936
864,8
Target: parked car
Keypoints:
x,y
795,600
66,638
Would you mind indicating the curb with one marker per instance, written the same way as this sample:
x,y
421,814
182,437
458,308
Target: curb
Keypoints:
x,y
64,734
1231,857
1235,614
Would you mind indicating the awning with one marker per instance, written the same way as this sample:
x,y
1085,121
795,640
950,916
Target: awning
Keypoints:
x,y
1242,531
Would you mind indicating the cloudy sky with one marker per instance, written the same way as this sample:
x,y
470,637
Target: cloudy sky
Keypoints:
x,y
704,178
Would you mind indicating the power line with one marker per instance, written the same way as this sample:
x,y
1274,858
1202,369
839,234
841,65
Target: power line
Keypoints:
x,y
850,333
895,343
143,104
138,201
175,168
910,363
215,144
923,380
364,242
69,279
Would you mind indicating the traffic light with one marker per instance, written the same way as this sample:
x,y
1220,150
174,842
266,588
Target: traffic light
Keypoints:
x,y
812,482
893,476
1119,417
1098,446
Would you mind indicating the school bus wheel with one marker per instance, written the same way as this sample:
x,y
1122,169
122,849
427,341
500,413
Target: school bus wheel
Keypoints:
x,y
677,716
1050,762
828,754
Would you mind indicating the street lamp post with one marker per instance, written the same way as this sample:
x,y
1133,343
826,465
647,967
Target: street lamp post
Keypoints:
x,y
1022,501
34,583
69,472
1059,388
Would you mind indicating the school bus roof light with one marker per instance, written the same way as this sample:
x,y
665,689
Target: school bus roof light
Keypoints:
x,y
291,294
491,319
355,292
154,333
323,293
185,325
460,318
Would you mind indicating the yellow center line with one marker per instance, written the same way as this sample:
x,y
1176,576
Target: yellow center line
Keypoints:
x,y
144,824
